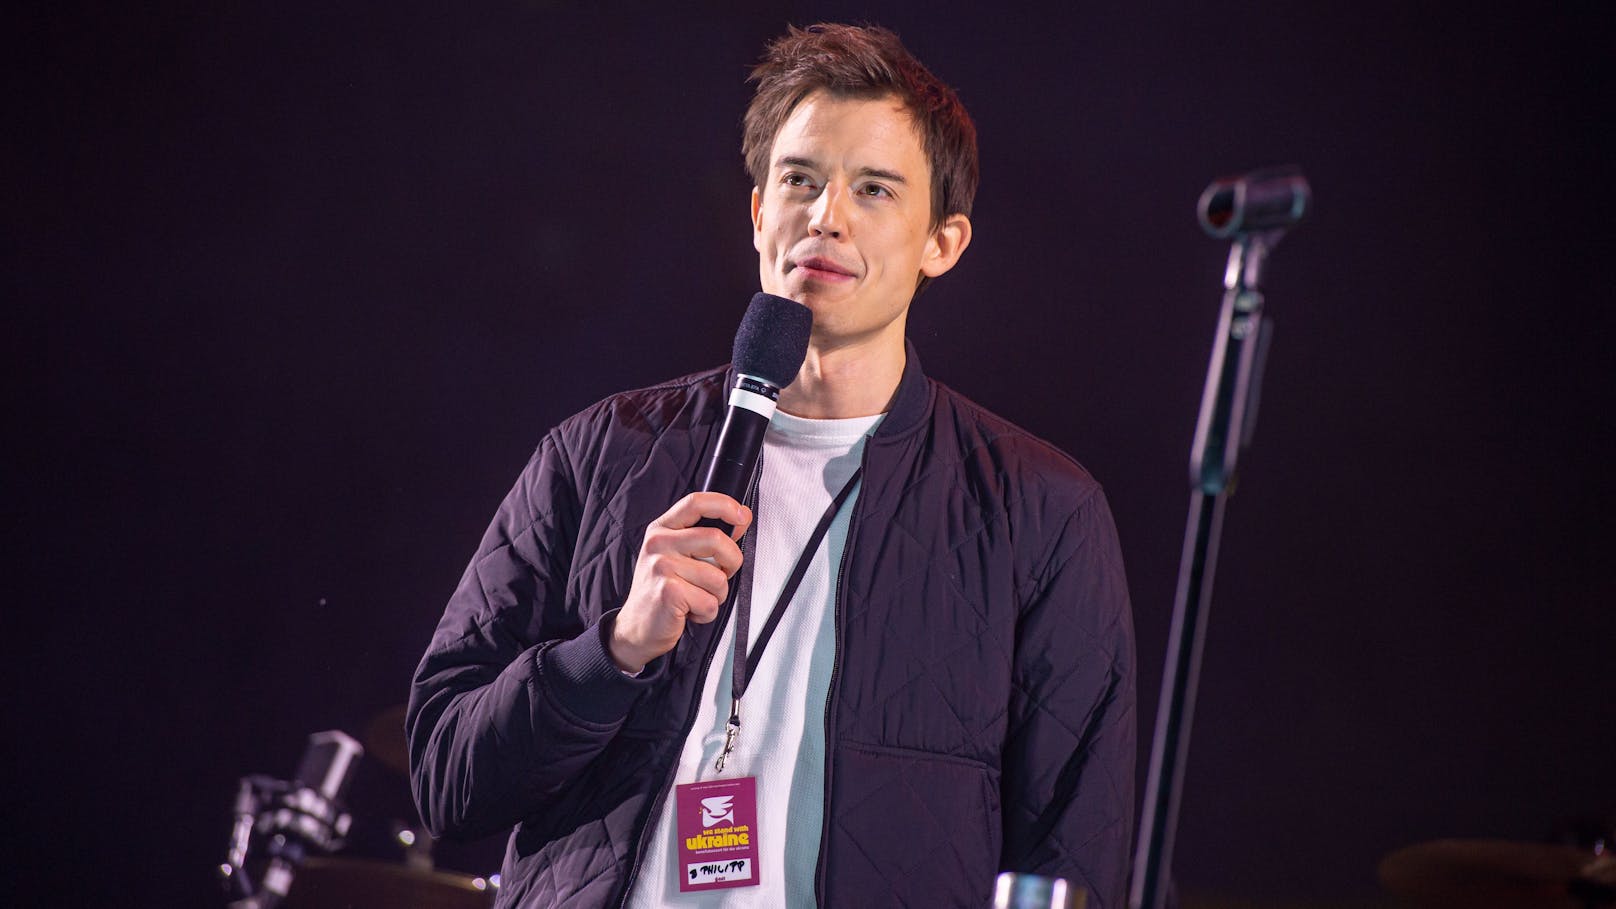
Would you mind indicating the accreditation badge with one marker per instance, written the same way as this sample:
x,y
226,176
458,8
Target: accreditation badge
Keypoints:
x,y
718,845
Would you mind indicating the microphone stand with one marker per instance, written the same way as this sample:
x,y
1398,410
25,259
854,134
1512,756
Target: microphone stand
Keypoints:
x,y
1256,210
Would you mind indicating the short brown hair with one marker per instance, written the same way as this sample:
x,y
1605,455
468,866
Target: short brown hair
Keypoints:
x,y
851,61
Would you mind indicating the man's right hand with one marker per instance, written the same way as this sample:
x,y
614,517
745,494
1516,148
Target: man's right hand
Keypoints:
x,y
682,575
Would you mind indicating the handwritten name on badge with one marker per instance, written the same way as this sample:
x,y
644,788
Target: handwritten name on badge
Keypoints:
x,y
738,871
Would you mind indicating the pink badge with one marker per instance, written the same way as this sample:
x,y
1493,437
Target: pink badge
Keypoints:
x,y
718,845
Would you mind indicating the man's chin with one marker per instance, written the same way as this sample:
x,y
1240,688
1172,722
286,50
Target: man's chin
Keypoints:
x,y
815,295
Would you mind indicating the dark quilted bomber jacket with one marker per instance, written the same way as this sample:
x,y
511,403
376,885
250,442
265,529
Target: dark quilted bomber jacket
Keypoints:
x,y
981,712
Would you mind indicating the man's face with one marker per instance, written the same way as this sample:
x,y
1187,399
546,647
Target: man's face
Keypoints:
x,y
844,224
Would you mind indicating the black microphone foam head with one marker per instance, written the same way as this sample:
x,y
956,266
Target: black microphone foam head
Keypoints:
x,y
773,339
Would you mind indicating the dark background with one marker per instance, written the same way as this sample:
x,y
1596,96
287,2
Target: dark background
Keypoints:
x,y
295,290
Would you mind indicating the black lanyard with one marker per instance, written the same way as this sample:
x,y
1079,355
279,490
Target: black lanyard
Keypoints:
x,y
746,666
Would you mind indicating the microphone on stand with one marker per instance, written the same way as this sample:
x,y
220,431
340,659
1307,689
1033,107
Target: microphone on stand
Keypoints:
x,y
1273,198
295,817
770,346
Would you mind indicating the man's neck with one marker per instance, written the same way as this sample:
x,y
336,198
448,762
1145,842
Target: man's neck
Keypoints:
x,y
851,380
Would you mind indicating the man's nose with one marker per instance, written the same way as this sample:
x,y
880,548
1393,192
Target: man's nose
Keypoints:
x,y
827,217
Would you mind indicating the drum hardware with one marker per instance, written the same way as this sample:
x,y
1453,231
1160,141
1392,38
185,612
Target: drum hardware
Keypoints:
x,y
1483,874
384,740
417,847
336,882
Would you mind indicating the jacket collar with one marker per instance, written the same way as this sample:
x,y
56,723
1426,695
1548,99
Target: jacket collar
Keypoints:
x,y
910,404
912,401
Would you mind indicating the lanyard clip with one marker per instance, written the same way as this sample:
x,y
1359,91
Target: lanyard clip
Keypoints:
x,y
731,732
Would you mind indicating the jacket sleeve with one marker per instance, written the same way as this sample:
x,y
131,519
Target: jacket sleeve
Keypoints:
x,y
1068,763
516,694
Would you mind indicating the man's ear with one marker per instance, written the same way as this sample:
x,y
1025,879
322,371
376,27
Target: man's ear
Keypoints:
x,y
947,244
757,215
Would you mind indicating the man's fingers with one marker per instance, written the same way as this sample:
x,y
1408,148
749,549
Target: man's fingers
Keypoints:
x,y
705,578
682,576
705,611
693,589
692,508
706,544
723,553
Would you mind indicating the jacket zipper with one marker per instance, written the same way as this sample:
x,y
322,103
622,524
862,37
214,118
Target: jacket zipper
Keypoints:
x,y
701,685
835,676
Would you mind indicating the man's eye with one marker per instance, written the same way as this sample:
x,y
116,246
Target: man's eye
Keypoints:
x,y
874,189
796,180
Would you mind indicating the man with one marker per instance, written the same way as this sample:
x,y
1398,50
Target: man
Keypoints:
x,y
949,690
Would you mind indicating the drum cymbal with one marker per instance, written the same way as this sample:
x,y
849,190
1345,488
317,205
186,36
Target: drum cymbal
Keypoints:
x,y
384,739
344,883
1484,874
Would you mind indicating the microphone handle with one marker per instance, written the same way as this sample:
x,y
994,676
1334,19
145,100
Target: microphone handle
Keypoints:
x,y
735,461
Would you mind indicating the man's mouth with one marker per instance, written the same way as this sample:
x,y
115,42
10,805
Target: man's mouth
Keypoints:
x,y
823,269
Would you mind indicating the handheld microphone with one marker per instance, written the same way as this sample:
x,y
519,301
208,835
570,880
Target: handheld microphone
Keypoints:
x,y
770,346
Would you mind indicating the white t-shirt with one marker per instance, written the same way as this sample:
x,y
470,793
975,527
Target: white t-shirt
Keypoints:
x,y
782,739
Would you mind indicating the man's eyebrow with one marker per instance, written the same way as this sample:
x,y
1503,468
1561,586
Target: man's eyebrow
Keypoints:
x,y
887,175
876,172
